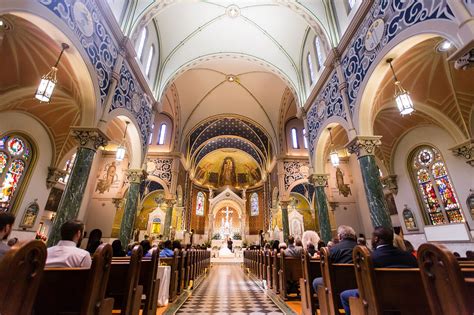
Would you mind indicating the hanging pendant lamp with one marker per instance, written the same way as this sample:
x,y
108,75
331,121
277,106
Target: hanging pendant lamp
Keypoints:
x,y
120,155
402,97
333,155
49,80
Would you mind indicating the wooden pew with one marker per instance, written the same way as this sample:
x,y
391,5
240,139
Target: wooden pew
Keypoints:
x,y
76,290
148,279
311,270
261,265
336,278
182,271
21,269
386,290
173,263
269,265
123,283
275,272
447,289
290,270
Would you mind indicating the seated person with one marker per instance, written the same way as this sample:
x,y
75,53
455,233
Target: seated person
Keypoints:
x,y
66,253
167,249
146,246
293,250
385,255
341,253
282,246
6,223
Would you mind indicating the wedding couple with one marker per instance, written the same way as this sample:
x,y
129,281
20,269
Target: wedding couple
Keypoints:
x,y
226,250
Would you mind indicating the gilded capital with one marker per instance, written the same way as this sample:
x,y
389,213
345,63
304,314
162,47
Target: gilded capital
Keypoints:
x,y
364,145
91,138
318,180
284,203
136,175
118,202
170,202
465,150
54,175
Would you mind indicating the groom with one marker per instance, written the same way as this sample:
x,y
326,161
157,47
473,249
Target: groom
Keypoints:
x,y
229,244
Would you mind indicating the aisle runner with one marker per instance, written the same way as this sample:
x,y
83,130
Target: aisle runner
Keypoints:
x,y
227,291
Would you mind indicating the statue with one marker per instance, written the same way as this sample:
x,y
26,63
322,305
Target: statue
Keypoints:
x,y
228,175
344,189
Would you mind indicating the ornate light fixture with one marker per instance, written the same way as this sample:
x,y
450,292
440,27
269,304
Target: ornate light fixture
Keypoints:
x,y
402,97
48,81
333,155
120,155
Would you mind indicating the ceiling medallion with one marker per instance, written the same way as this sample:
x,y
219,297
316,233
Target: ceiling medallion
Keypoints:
x,y
232,78
83,18
233,11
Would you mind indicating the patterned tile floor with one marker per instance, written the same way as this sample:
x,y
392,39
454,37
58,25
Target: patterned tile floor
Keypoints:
x,y
228,291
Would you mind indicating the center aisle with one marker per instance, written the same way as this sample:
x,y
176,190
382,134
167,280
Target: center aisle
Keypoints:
x,y
228,291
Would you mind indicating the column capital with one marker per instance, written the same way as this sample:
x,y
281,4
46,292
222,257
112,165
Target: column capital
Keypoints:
x,y
284,203
118,202
390,182
136,175
319,180
465,150
170,202
91,138
364,145
54,174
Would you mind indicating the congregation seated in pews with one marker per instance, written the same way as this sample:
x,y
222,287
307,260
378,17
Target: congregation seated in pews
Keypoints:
x,y
65,279
349,278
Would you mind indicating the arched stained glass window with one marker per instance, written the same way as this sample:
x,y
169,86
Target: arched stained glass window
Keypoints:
x,y
305,139
294,138
141,43
162,135
68,168
310,68
254,204
319,52
434,186
15,157
150,136
200,203
150,59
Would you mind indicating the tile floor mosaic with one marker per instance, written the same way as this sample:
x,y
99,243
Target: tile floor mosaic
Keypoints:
x,y
228,291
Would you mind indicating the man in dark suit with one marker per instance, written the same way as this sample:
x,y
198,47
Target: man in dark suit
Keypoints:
x,y
385,255
341,253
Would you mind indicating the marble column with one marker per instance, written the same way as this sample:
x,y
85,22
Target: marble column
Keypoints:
x,y
319,182
90,139
169,214
135,178
284,219
364,148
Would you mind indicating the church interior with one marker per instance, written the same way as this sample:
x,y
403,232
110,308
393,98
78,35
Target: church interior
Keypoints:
x,y
210,141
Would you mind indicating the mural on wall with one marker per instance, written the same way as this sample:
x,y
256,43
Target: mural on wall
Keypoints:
x,y
53,199
228,168
109,177
29,217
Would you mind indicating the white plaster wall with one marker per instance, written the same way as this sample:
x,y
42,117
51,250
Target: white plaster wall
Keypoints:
x,y
343,15
36,188
462,175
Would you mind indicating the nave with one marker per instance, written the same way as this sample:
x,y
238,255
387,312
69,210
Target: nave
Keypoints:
x,y
227,290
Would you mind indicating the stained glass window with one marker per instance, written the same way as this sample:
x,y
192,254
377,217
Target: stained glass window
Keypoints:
x,y
435,187
162,135
294,138
319,52
310,68
68,168
200,203
150,59
254,204
15,156
141,43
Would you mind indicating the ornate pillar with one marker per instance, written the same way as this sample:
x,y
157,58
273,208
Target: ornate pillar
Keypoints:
x,y
90,139
169,214
364,148
135,178
284,219
465,150
319,182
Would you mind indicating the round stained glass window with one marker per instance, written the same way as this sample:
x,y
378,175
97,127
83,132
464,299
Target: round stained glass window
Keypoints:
x,y
425,157
15,146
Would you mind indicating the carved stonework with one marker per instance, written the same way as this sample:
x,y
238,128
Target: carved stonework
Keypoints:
x,y
466,150
161,168
466,61
364,145
54,174
136,175
118,202
390,182
284,204
295,170
170,203
92,138
319,180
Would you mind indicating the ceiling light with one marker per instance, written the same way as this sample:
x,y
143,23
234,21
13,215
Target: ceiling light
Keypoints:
x,y
120,155
231,78
445,45
402,97
1,23
333,155
233,11
48,81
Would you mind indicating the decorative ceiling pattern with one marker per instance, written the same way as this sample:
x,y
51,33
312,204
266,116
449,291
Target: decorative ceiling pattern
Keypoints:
x,y
229,142
305,189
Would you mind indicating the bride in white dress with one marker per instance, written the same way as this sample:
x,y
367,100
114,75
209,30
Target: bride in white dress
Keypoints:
x,y
225,251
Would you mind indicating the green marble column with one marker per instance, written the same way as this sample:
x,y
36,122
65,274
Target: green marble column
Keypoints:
x,y
320,181
135,177
364,148
284,220
169,215
90,139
